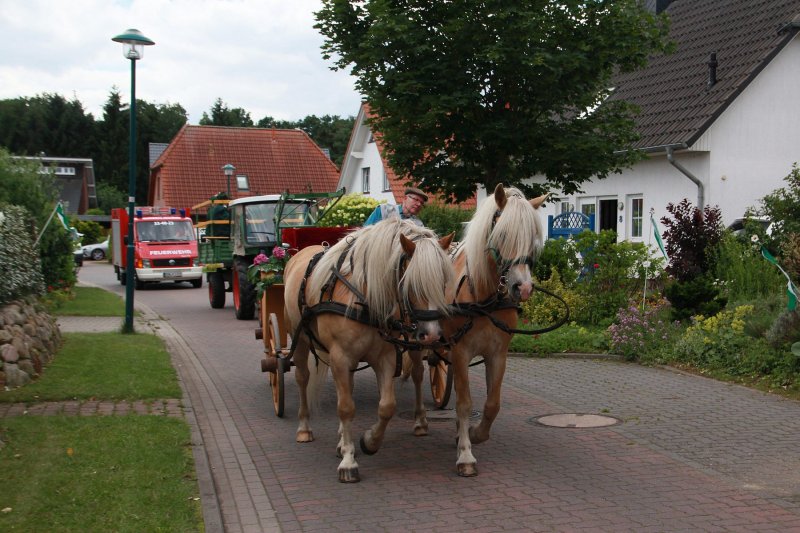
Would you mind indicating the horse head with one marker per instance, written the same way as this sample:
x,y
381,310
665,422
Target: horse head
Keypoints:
x,y
428,271
515,242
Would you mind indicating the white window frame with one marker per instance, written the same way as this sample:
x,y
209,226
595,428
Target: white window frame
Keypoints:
x,y
386,186
365,180
242,183
633,219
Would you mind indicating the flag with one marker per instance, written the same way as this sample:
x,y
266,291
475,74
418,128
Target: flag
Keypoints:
x,y
61,216
791,290
657,235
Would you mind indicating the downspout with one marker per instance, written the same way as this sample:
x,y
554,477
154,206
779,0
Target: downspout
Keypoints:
x,y
682,169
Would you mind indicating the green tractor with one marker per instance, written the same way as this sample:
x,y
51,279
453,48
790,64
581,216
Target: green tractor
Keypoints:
x,y
236,231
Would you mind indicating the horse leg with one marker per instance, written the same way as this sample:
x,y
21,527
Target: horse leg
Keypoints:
x,y
465,462
372,439
301,374
343,377
417,375
495,370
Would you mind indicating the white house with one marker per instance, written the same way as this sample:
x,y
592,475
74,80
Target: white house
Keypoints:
x,y
719,117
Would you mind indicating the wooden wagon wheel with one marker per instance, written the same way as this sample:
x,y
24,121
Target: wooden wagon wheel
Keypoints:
x,y
441,377
272,338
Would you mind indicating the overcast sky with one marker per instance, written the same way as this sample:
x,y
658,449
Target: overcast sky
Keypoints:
x,y
261,55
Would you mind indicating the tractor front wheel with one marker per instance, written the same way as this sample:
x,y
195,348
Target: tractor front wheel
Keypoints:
x,y
244,293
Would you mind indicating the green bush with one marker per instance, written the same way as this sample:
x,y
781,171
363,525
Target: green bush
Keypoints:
x,y
543,310
445,220
641,333
745,273
20,269
698,296
613,273
91,230
785,330
351,210
560,255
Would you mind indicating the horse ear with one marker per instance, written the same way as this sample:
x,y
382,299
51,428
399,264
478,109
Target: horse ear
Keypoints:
x,y
408,245
445,241
539,200
500,196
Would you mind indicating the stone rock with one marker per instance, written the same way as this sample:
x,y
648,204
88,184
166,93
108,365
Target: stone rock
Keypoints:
x,y
22,347
15,377
5,336
9,353
26,366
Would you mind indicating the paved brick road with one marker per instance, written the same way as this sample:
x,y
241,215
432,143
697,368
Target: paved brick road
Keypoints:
x,y
691,454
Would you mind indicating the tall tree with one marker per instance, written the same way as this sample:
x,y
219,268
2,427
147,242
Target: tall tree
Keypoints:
x,y
111,159
222,115
156,123
469,93
331,132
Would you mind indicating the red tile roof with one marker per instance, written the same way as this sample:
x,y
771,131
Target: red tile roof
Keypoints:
x,y
189,171
677,104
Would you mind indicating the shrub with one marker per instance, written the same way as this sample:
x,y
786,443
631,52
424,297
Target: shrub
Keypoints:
x,y
543,310
20,269
641,334
613,273
558,255
782,206
698,296
717,342
445,219
92,231
746,274
785,330
691,239
351,210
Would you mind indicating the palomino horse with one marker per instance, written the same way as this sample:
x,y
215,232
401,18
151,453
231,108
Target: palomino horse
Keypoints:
x,y
493,273
390,278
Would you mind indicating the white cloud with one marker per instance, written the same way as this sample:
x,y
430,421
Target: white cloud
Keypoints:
x,y
261,55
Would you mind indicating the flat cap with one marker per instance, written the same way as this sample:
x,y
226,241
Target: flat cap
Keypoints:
x,y
418,192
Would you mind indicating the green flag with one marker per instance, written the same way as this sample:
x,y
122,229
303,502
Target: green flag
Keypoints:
x,y
61,216
791,290
657,235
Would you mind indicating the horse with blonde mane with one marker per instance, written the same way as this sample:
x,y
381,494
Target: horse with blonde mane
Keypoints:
x,y
493,267
352,304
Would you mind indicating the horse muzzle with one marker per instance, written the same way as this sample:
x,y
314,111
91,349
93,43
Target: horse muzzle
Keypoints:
x,y
520,292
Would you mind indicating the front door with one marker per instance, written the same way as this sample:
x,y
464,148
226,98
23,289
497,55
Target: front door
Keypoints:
x,y
608,214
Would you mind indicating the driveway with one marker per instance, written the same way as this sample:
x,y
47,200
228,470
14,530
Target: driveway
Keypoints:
x,y
687,453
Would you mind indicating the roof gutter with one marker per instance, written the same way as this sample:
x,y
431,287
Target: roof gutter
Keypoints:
x,y
700,188
669,149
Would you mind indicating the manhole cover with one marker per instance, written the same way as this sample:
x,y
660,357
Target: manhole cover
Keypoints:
x,y
576,420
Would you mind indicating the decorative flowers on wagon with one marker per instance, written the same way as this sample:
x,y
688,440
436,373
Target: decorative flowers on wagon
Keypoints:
x,y
268,270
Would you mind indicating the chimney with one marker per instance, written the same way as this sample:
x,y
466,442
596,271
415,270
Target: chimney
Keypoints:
x,y
712,70
656,6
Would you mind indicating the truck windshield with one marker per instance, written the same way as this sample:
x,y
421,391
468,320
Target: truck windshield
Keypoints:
x,y
259,219
164,231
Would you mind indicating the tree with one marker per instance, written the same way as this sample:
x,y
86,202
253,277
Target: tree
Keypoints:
x,y
111,163
331,132
477,93
221,115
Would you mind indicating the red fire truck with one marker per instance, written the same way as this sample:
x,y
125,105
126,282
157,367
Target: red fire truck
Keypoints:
x,y
165,246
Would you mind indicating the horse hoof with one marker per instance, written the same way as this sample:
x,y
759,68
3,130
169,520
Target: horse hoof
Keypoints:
x,y
364,448
420,432
349,475
305,436
467,470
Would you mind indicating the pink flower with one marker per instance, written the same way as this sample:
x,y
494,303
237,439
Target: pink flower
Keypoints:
x,y
279,252
260,259
596,265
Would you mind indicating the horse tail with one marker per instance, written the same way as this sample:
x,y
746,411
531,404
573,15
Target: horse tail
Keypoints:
x,y
317,373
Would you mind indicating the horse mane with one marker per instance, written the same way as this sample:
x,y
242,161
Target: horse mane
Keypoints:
x,y
371,264
517,232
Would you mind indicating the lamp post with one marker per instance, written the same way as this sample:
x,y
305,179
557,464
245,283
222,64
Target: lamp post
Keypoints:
x,y
133,43
229,170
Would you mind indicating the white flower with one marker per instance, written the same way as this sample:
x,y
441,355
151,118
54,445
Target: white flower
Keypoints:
x,y
754,238
646,264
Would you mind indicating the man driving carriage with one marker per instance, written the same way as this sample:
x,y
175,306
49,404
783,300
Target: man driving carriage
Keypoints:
x,y
408,210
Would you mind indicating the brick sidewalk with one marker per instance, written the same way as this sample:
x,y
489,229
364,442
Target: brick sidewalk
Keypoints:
x,y
171,408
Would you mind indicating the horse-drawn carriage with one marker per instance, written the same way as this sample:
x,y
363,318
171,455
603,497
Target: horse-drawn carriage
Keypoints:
x,y
388,288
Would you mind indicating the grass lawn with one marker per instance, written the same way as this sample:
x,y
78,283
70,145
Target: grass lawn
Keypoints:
x,y
129,473
113,473
89,301
103,366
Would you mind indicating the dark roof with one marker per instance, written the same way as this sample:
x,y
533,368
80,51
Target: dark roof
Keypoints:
x,y
189,171
677,105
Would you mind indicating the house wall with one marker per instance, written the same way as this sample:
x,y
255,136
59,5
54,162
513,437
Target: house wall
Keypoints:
x,y
755,141
364,154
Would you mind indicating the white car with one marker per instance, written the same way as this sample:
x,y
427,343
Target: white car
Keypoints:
x,y
97,251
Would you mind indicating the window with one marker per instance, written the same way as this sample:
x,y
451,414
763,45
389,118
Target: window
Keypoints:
x,y
588,209
365,180
637,217
371,138
386,186
241,183
565,207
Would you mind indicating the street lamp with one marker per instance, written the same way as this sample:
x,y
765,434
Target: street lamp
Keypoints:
x,y
133,43
229,170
